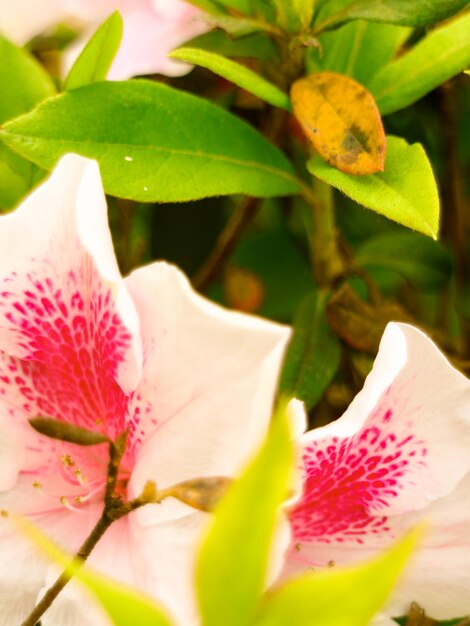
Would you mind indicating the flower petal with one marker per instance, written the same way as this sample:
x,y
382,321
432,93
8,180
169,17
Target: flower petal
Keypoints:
x,y
76,605
64,308
438,579
402,444
149,34
21,20
164,559
210,377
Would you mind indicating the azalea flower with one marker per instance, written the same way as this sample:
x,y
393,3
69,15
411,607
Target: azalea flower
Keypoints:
x,y
192,383
398,455
152,28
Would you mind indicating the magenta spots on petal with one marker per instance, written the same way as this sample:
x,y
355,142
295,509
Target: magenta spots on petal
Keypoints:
x,y
347,483
72,343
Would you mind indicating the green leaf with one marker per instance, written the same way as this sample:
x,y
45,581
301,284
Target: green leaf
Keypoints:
x,y
359,49
23,81
304,10
239,26
256,46
400,12
209,6
96,58
405,191
243,6
125,606
236,73
153,143
338,597
423,262
442,54
314,353
12,185
232,565
287,15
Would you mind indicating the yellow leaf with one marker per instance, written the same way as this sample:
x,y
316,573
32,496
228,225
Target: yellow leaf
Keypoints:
x,y
341,119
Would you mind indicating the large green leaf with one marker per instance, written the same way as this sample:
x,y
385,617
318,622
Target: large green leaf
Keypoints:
x,y
359,49
124,605
23,83
235,73
440,55
423,262
405,191
96,58
401,12
314,353
153,143
337,597
232,565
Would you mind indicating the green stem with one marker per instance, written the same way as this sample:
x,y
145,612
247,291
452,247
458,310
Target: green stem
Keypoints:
x,y
327,263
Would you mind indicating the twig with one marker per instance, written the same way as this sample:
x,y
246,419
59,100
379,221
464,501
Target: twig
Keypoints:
x,y
226,243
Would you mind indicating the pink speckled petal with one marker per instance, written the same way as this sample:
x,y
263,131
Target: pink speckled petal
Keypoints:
x,y
210,374
402,444
64,308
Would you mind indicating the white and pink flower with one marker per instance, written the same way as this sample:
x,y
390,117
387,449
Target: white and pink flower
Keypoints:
x,y
191,381
400,454
152,28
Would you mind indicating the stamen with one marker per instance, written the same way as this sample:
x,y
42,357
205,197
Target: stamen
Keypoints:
x,y
4,513
70,507
67,460
36,484
81,478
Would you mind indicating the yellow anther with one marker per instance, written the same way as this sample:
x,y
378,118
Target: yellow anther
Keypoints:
x,y
67,460
63,500
4,513
81,478
37,484
78,500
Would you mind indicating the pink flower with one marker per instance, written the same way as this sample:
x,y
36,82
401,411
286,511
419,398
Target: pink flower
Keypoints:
x,y
192,382
398,455
152,28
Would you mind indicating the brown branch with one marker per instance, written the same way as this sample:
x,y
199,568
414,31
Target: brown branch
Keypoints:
x,y
228,240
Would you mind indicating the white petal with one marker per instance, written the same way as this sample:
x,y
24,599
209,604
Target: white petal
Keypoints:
x,y
438,579
210,376
22,571
76,605
21,20
164,560
382,620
